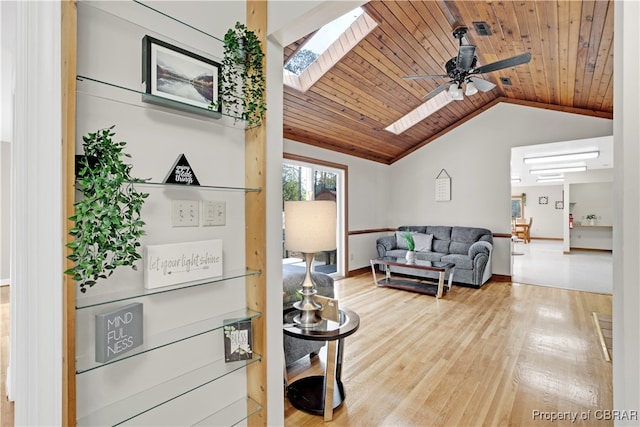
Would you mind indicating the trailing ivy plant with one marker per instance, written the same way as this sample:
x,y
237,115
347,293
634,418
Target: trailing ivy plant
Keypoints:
x,y
242,87
108,225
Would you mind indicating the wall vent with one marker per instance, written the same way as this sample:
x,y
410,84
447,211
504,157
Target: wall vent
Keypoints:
x,y
482,28
506,81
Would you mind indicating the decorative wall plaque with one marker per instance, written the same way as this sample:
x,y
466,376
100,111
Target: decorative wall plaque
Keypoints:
x,y
238,341
181,173
175,263
118,331
443,187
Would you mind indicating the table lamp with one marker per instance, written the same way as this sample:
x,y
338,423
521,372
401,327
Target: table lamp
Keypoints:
x,y
310,227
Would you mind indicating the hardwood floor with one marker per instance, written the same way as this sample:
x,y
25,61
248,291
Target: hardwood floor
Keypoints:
x,y
6,407
506,354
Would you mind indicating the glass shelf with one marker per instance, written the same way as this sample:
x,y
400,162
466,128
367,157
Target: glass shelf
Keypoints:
x,y
137,404
198,187
97,300
233,414
87,362
96,88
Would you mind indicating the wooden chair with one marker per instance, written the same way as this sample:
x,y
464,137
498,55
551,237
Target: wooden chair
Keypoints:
x,y
523,230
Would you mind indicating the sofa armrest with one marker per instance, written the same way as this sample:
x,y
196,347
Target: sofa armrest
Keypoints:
x,y
384,244
480,247
480,253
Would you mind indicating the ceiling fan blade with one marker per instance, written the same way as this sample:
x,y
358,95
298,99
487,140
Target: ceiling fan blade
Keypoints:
x,y
504,63
426,76
466,55
437,90
481,84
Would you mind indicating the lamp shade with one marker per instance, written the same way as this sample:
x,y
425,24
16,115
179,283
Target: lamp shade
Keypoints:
x,y
310,226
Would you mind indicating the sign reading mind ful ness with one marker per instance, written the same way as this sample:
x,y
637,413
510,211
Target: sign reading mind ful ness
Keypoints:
x,y
118,331
176,263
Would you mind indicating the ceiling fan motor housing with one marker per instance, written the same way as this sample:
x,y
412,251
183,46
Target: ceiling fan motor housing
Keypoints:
x,y
458,75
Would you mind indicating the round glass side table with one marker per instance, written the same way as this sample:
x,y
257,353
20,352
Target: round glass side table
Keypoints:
x,y
320,395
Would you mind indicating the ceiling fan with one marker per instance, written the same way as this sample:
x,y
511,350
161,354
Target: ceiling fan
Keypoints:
x,y
462,69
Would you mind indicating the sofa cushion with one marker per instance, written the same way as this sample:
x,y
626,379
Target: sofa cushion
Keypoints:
x,y
429,256
398,253
462,262
460,248
441,238
401,242
414,228
423,242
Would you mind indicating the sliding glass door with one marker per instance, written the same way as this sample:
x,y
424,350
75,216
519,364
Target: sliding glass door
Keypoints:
x,y
308,181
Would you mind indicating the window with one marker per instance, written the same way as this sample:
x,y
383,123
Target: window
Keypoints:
x,y
320,42
326,47
517,207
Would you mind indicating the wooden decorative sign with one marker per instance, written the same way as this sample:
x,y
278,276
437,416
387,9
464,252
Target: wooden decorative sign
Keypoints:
x,y
176,263
182,173
238,341
118,331
443,187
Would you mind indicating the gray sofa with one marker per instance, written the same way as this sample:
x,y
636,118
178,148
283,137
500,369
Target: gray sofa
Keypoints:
x,y
469,248
295,348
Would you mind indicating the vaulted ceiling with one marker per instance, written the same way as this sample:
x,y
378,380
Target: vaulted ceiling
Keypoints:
x,y
348,108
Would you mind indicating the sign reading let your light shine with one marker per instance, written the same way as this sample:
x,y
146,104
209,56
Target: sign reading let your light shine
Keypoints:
x,y
176,263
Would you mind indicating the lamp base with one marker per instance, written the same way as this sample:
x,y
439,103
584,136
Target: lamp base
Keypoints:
x,y
307,319
308,307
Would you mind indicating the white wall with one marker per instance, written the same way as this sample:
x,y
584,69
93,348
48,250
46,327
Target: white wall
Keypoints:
x,y
109,49
547,220
626,228
35,377
477,157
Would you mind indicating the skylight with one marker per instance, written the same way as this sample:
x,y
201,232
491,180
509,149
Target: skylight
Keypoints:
x,y
321,41
420,113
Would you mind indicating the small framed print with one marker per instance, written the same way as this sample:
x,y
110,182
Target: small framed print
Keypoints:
x,y
559,204
543,200
238,340
171,73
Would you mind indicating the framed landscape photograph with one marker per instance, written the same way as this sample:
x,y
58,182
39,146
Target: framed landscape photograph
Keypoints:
x,y
179,76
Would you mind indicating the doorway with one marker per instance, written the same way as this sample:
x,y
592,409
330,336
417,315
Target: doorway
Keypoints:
x,y
306,179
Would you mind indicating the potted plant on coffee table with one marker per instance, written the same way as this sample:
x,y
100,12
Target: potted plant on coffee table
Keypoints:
x,y
411,244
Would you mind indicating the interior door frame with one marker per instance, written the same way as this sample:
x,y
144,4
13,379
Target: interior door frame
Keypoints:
x,y
342,260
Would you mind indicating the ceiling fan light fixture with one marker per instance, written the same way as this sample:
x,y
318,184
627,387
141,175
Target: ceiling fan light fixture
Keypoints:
x,y
471,88
455,92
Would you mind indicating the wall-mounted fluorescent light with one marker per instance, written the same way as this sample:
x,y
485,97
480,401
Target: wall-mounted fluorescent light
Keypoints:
x,y
558,170
562,157
515,180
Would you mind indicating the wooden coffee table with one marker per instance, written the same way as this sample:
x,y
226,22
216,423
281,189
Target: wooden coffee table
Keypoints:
x,y
421,286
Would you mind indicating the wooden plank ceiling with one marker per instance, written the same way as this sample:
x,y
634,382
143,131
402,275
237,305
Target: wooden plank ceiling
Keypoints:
x,y
571,43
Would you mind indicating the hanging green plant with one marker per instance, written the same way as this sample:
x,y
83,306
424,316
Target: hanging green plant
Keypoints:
x,y
108,225
242,87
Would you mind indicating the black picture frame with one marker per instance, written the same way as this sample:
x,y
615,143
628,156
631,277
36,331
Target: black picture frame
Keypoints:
x,y
238,340
543,200
559,204
176,78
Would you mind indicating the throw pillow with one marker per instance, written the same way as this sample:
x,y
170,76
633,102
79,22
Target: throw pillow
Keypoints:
x,y
401,242
423,242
